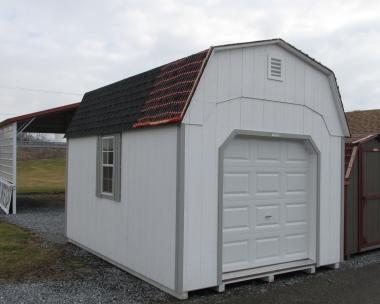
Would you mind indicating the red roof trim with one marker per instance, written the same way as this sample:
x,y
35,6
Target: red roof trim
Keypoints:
x,y
196,82
169,100
56,110
155,123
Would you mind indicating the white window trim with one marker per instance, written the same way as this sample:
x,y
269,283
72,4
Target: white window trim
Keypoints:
x,y
116,172
103,165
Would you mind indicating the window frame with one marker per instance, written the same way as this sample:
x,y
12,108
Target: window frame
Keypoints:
x,y
115,195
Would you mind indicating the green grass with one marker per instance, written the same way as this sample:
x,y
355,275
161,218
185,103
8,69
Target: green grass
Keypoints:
x,y
23,258
20,254
41,176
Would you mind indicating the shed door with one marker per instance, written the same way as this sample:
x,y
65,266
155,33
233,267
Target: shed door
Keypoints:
x,y
370,198
269,198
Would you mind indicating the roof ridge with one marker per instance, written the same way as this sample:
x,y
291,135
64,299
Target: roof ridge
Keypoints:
x,y
146,71
364,110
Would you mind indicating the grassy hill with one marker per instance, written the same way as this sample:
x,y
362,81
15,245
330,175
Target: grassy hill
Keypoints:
x,y
41,176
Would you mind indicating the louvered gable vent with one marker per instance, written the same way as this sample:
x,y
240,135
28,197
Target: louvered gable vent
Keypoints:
x,y
275,68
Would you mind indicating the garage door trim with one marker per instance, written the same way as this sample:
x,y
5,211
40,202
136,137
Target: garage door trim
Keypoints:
x,y
258,134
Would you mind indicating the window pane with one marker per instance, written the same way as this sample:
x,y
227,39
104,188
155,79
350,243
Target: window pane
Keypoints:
x,y
107,172
104,186
105,144
107,186
105,158
109,182
110,158
108,144
107,179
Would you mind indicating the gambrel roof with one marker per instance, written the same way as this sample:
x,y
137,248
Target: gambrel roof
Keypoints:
x,y
158,96
162,95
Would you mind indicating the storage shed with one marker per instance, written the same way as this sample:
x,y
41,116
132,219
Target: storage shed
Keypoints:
x,y
362,182
223,166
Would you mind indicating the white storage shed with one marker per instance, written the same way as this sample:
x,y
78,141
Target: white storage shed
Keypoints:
x,y
223,166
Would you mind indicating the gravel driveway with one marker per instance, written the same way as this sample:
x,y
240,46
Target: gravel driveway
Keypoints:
x,y
108,284
43,214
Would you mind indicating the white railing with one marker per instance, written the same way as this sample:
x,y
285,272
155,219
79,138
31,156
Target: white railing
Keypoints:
x,y
6,191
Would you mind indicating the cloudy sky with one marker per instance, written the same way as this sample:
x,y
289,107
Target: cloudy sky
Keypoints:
x,y
53,47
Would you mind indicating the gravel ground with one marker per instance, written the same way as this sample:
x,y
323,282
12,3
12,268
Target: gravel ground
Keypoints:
x,y
43,214
108,284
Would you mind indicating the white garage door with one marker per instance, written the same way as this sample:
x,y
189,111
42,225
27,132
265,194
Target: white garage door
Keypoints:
x,y
269,198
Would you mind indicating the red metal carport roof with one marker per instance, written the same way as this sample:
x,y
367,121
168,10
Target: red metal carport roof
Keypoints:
x,y
54,120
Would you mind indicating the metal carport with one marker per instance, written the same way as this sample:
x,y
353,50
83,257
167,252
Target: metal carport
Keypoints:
x,y
54,120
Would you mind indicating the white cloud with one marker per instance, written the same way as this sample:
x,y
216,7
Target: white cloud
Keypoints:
x,y
76,46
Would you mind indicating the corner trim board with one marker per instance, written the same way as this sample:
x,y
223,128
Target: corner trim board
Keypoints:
x,y
66,185
180,213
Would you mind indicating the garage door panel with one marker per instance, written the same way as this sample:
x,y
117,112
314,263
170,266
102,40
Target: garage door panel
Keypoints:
x,y
266,208
293,229
236,217
267,183
296,212
296,152
239,151
296,244
267,216
296,182
236,252
268,248
236,184
268,151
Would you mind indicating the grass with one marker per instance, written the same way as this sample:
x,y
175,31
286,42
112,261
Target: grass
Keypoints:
x,y
22,257
41,176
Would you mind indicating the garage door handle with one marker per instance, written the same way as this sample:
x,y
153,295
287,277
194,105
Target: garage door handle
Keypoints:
x,y
268,216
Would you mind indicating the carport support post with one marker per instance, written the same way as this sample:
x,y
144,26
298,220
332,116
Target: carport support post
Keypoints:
x,y
14,163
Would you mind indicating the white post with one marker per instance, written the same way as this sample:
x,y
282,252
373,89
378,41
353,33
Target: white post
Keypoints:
x,y
14,164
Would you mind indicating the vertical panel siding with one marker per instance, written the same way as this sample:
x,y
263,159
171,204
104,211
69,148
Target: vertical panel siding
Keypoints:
x,y
139,231
263,105
7,156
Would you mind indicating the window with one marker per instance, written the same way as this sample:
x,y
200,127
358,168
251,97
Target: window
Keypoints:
x,y
107,164
108,168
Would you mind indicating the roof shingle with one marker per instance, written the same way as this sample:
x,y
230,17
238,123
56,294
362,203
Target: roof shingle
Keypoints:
x,y
363,123
157,96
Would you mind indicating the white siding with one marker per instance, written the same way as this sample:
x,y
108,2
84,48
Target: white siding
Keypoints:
x,y
234,93
139,231
7,153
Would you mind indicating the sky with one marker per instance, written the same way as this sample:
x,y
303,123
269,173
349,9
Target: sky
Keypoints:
x,y
52,52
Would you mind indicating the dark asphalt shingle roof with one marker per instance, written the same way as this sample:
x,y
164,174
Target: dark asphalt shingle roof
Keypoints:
x,y
157,96
363,123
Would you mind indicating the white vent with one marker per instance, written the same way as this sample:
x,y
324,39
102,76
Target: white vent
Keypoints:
x,y
275,71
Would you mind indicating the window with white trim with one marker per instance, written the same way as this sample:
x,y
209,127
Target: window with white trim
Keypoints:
x,y
108,143
108,168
